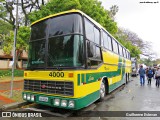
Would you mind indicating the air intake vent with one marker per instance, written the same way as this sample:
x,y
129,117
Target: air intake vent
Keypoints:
x,y
49,87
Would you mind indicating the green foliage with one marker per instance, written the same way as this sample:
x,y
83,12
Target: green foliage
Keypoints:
x,y
156,62
93,8
8,43
17,73
52,7
147,61
5,27
3,12
22,40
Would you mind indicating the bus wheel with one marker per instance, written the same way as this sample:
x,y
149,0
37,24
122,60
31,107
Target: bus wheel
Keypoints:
x,y
102,90
126,78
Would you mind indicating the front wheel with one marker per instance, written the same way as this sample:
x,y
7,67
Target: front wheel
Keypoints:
x,y
102,90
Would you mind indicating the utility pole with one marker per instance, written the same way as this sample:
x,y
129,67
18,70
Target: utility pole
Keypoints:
x,y
14,46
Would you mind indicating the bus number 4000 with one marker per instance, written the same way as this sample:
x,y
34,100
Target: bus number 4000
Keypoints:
x,y
56,74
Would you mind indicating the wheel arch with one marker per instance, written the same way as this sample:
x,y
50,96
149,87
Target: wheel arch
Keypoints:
x,y
105,78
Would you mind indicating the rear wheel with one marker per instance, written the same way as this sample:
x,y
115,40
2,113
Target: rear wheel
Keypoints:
x,y
126,77
102,90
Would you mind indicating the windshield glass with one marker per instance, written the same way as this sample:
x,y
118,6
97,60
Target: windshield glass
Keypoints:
x,y
57,42
37,54
65,51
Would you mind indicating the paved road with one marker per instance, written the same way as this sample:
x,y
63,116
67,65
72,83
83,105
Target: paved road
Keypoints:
x,y
132,97
135,97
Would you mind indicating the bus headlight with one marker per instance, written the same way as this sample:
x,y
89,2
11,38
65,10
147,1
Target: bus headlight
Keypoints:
x,y
24,96
56,102
28,97
71,104
64,103
32,97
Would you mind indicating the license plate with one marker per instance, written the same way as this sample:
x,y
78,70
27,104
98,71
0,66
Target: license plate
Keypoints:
x,y
43,99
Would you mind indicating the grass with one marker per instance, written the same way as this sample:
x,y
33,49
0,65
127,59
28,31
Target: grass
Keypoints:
x,y
17,95
17,73
5,75
8,78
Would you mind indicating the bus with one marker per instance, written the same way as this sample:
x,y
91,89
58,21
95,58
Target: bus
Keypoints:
x,y
73,61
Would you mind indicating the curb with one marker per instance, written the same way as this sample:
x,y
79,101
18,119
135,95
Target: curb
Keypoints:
x,y
13,105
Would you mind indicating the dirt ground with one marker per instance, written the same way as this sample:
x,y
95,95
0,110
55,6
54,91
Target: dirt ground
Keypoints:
x,y
5,92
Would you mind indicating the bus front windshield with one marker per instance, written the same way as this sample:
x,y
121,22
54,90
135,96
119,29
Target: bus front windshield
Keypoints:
x,y
57,42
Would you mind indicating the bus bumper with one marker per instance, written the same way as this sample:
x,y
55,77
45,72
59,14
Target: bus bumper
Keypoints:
x,y
61,102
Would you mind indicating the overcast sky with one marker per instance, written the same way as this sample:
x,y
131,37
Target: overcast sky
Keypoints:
x,y
141,18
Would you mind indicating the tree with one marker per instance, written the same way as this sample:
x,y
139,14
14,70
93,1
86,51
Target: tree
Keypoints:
x,y
113,10
22,41
52,7
156,62
21,44
26,6
137,43
147,61
122,37
5,27
99,14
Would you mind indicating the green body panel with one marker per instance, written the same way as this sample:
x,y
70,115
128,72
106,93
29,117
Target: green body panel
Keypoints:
x,y
116,85
93,77
79,102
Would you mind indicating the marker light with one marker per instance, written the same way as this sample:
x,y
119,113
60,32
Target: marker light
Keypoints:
x,y
70,75
64,103
25,74
28,97
56,102
32,97
24,96
71,104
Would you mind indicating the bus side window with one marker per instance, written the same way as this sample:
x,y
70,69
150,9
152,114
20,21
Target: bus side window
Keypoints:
x,y
120,50
102,39
93,42
90,49
115,46
105,37
107,41
96,36
89,29
124,53
129,55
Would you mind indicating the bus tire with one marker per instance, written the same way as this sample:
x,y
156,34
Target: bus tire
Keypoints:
x,y
102,91
126,77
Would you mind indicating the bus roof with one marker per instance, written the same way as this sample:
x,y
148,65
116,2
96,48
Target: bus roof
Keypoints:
x,y
57,14
77,11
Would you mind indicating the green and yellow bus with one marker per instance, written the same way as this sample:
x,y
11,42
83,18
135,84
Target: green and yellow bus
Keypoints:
x,y
73,61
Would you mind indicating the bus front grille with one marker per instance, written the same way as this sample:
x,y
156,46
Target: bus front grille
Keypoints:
x,y
50,87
